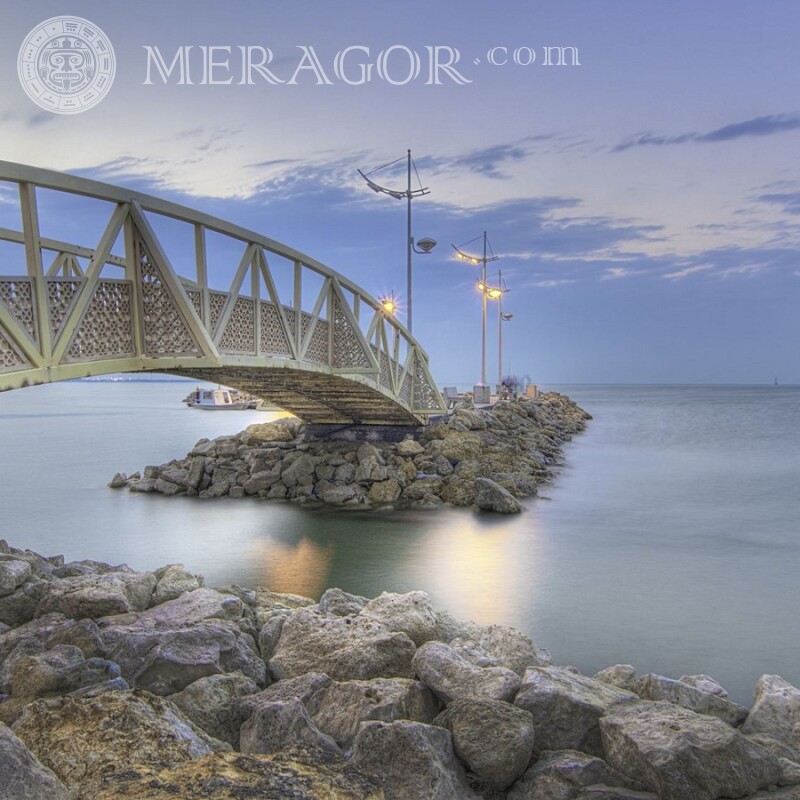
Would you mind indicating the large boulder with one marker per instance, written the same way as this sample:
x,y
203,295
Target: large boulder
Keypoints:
x,y
342,707
308,688
490,496
79,738
23,777
565,774
681,755
416,761
567,708
502,646
776,710
166,662
341,603
462,447
213,704
306,774
60,670
623,676
410,613
440,667
96,596
657,687
277,431
173,581
494,739
345,648
281,724
13,573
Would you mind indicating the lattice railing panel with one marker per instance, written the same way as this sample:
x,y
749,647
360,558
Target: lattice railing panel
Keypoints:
x,y
405,389
425,395
17,294
291,322
216,303
61,297
318,346
348,350
239,335
10,359
165,332
106,329
273,337
196,299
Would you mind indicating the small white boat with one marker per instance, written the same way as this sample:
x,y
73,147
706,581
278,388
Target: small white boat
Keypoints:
x,y
219,399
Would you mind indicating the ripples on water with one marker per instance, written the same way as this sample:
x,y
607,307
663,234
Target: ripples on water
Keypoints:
x,y
671,539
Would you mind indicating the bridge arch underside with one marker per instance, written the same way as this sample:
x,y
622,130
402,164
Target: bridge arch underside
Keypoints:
x,y
315,397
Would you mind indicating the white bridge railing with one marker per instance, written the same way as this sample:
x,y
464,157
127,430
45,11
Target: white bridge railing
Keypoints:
x,y
280,324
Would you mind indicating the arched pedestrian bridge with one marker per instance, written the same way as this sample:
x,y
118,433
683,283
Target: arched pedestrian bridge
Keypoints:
x,y
168,289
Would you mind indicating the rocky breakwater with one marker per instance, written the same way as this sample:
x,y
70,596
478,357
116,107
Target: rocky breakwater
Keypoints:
x,y
118,683
487,459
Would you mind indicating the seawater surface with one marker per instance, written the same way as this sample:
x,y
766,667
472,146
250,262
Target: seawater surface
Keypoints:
x,y
670,539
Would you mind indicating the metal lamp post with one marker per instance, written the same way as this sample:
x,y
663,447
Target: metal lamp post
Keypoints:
x,y
424,245
481,390
501,318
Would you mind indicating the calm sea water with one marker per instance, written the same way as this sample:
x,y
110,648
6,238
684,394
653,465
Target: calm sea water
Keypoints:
x,y
670,540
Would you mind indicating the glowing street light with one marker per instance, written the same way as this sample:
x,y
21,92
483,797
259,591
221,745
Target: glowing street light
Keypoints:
x,y
484,290
424,245
389,304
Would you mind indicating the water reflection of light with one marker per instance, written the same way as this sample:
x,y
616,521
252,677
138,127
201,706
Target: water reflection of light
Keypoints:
x,y
300,568
475,565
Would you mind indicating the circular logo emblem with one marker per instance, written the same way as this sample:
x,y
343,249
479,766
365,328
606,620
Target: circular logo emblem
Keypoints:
x,y
66,65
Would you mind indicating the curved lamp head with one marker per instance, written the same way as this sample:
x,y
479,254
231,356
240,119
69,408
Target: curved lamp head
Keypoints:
x,y
507,317
426,244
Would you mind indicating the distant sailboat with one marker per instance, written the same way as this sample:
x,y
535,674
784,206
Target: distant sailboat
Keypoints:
x,y
776,381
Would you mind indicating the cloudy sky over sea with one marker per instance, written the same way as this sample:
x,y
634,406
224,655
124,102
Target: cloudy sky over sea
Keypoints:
x,y
645,204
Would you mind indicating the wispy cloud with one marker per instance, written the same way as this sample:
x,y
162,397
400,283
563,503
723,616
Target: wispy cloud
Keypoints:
x,y
616,273
757,126
686,271
789,201
551,284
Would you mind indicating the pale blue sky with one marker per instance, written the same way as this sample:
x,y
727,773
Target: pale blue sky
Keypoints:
x,y
646,204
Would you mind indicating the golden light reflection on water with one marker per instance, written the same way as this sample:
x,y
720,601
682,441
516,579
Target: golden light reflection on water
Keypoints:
x,y
475,565
300,568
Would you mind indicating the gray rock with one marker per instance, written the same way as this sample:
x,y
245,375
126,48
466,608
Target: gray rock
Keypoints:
x,y
409,447
386,491
163,486
58,671
166,662
341,604
308,688
19,607
96,596
342,707
346,648
567,708
84,634
452,677
270,632
502,646
111,685
494,739
23,776
23,649
409,613
173,581
657,687
277,725
13,573
623,676
300,472
40,629
416,761
564,774
490,496
681,755
449,627
776,710
705,684
338,495
212,703
187,609
119,481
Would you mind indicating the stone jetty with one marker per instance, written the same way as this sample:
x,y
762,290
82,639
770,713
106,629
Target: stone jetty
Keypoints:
x,y
483,458
116,683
